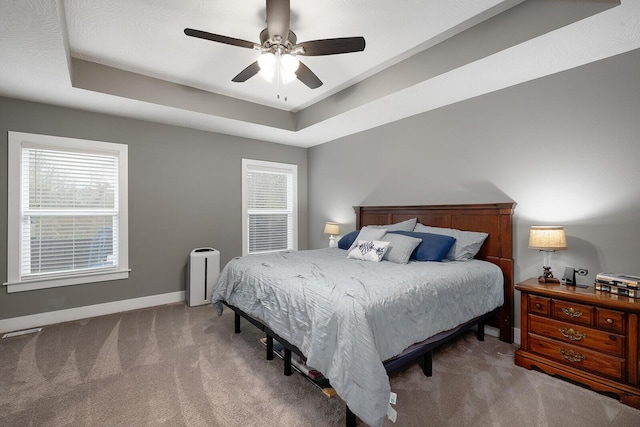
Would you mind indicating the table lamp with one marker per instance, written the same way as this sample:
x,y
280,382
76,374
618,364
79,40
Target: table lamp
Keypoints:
x,y
547,239
332,228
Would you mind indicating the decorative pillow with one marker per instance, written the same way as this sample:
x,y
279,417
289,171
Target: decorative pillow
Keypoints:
x,y
369,234
369,250
400,247
347,240
434,247
407,225
467,245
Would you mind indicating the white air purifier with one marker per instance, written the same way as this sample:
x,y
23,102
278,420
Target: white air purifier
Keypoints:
x,y
204,268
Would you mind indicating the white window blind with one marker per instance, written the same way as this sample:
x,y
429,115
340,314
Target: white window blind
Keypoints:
x,y
70,212
270,196
69,221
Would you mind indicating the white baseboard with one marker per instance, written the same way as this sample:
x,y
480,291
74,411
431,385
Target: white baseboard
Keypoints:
x,y
491,331
495,332
51,317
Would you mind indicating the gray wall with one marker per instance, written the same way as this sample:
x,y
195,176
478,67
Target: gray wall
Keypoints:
x,y
184,192
565,148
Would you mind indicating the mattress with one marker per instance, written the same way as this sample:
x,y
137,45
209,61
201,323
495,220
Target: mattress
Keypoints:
x,y
347,316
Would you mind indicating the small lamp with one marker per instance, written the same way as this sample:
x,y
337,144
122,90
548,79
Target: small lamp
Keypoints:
x,y
547,239
332,228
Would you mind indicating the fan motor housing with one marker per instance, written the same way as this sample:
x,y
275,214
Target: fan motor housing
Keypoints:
x,y
266,42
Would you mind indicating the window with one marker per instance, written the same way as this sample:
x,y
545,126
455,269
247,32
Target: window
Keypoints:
x,y
67,216
269,207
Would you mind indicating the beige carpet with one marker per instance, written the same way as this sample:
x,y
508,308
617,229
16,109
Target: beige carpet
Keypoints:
x,y
180,366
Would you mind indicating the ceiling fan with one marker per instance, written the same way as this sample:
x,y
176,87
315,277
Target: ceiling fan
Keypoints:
x,y
279,45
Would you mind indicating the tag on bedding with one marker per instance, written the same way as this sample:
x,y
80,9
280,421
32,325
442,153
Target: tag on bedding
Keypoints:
x,y
392,414
392,398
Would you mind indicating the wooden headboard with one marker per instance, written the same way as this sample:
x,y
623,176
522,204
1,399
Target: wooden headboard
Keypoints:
x,y
492,218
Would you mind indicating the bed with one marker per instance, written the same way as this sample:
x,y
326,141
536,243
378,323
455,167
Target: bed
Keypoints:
x,y
357,320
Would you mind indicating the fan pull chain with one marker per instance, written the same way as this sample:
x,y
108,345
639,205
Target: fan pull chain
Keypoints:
x,y
279,77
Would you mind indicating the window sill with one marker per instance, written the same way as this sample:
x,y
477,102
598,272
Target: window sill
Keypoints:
x,y
32,285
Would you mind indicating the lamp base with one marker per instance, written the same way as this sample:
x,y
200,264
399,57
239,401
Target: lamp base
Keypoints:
x,y
547,276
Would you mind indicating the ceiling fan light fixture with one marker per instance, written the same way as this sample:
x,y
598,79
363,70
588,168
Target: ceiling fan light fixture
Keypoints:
x,y
290,63
267,63
288,66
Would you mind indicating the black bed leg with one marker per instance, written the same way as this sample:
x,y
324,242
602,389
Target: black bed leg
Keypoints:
x,y
287,361
427,364
480,333
351,418
237,323
269,347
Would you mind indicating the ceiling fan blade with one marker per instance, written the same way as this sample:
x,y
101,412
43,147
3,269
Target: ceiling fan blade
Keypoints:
x,y
306,76
247,73
218,38
278,18
332,46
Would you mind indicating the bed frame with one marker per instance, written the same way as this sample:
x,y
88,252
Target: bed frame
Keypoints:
x,y
493,218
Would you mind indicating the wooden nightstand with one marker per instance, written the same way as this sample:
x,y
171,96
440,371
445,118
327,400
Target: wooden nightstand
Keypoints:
x,y
583,335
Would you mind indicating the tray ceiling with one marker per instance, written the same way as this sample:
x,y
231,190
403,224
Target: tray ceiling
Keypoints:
x,y
131,58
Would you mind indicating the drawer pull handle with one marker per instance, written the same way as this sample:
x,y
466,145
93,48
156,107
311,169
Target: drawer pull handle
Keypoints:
x,y
610,321
572,334
572,356
571,312
538,305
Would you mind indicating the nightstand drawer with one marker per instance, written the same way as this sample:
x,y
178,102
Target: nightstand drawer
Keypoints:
x,y
539,305
610,320
578,357
578,335
573,312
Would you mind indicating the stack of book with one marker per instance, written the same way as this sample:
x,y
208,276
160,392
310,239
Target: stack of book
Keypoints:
x,y
619,284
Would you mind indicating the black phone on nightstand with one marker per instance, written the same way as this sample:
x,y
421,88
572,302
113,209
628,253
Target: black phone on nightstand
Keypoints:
x,y
569,277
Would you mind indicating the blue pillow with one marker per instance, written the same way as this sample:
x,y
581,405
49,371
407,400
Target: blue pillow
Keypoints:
x,y
434,247
347,240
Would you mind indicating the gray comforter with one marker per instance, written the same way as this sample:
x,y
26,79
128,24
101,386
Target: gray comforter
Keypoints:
x,y
348,316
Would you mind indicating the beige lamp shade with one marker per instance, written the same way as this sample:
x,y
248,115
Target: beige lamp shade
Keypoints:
x,y
331,228
547,237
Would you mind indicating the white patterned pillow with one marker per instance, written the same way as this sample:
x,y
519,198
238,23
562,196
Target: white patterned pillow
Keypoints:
x,y
366,250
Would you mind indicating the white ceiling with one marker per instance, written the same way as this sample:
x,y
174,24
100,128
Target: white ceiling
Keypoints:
x,y
131,58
